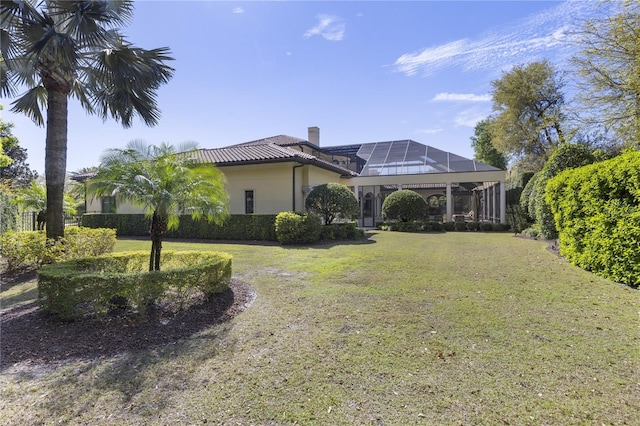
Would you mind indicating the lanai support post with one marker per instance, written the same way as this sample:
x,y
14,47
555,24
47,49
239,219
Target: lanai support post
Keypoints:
x,y
503,202
449,202
494,202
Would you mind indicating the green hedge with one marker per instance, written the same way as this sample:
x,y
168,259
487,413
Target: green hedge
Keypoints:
x,y
341,231
298,228
450,226
596,209
30,249
8,214
236,227
90,285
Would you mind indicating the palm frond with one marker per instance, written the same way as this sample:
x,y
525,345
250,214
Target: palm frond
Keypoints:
x,y
30,103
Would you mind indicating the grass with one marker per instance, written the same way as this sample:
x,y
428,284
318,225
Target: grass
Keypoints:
x,y
455,328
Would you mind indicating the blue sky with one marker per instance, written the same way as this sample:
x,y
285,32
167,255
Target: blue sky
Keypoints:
x,y
361,71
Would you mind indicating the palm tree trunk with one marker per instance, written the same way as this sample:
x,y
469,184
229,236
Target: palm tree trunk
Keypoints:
x,y
159,226
55,164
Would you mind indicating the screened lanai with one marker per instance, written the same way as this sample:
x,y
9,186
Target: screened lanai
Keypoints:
x,y
455,187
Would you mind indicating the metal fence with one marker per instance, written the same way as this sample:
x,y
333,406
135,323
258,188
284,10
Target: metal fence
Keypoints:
x,y
27,221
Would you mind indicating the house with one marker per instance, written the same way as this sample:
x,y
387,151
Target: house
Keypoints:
x,y
275,174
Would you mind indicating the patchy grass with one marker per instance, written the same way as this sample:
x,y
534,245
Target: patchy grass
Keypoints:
x,y
455,328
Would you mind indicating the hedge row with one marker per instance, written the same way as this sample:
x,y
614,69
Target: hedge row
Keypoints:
x,y
236,227
30,249
8,214
451,226
596,209
92,285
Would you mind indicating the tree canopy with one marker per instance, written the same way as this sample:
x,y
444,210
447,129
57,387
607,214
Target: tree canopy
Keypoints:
x,y
63,48
527,124
332,201
483,148
609,65
166,182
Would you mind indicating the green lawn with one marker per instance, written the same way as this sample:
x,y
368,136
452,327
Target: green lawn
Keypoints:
x,y
455,328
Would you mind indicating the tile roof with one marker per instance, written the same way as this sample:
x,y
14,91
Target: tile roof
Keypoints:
x,y
263,151
280,140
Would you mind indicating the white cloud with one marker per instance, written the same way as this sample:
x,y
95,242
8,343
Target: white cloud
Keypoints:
x,y
546,35
465,97
237,10
428,131
470,117
330,27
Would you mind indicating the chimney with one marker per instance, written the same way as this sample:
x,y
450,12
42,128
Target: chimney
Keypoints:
x,y
314,135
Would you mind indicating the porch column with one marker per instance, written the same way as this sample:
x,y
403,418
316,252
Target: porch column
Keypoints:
x,y
449,202
493,203
503,202
485,198
357,193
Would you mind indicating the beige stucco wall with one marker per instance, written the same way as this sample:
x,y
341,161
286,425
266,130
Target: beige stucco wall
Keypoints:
x,y
95,206
273,185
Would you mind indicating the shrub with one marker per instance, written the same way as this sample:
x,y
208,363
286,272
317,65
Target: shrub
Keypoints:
x,y
486,226
437,226
332,201
516,215
341,231
566,156
90,284
31,249
449,226
597,213
404,205
460,226
8,213
236,227
408,226
473,226
297,228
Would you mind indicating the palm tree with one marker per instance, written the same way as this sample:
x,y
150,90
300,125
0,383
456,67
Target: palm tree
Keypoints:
x,y
166,181
34,198
63,48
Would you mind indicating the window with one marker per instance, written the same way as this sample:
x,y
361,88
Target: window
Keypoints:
x,y
108,204
249,202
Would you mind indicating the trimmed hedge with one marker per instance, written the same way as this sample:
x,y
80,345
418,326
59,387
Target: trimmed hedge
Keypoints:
x,y
596,209
30,249
450,226
91,284
404,205
236,227
298,228
8,214
341,231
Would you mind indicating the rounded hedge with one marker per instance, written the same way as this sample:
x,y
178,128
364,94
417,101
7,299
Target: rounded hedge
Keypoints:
x,y
332,201
404,205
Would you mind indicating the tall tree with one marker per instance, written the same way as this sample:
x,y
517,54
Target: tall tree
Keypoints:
x,y
483,148
527,124
63,48
609,64
166,181
7,140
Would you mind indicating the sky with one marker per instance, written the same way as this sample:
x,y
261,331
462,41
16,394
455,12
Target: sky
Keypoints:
x,y
360,71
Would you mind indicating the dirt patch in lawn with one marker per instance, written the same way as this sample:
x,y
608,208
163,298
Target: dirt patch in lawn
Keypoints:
x,y
30,336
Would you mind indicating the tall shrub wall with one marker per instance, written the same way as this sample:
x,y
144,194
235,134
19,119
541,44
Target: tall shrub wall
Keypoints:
x,y
236,227
596,209
8,214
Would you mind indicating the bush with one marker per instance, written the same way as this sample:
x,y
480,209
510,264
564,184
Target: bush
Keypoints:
x,y
566,156
449,226
460,226
516,215
473,226
341,231
90,284
486,226
597,213
437,226
404,205
332,201
297,228
31,249
8,214
237,227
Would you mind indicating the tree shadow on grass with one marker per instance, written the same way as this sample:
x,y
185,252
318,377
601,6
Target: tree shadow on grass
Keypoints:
x,y
29,335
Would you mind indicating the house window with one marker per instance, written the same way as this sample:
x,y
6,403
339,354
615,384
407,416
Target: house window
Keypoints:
x,y
108,204
249,202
